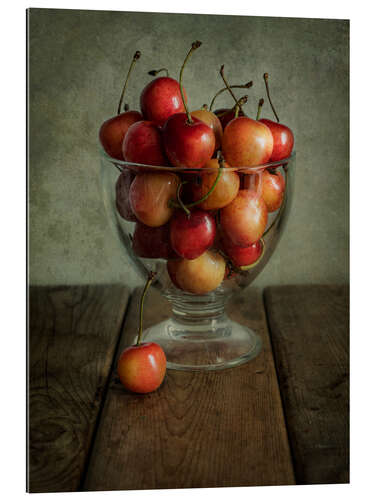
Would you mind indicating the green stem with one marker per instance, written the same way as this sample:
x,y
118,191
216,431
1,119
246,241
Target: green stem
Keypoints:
x,y
245,86
136,56
195,45
154,72
260,104
179,204
265,76
228,87
151,276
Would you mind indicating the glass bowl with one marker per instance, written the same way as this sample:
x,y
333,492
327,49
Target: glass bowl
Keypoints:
x,y
199,335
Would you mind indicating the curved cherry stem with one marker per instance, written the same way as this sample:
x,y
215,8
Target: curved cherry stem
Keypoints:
x,y
265,76
136,56
155,72
242,100
180,204
260,105
244,86
151,276
228,87
195,45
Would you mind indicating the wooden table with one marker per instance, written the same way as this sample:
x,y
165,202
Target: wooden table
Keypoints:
x,y
280,419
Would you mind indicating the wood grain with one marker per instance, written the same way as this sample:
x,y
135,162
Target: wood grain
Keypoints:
x,y
73,333
200,429
309,328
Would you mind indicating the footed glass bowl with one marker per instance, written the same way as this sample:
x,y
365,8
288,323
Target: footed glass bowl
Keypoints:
x,y
199,335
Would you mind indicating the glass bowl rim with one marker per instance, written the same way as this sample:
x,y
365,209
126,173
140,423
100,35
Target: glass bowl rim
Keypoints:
x,y
120,164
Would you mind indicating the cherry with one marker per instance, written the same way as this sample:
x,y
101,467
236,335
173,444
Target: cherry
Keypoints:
x,y
242,256
225,191
191,235
149,197
212,121
199,276
283,138
152,242
161,98
141,367
270,185
188,142
143,144
244,86
246,142
112,131
122,195
245,219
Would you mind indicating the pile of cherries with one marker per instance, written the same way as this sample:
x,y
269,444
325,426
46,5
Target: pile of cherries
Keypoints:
x,y
204,217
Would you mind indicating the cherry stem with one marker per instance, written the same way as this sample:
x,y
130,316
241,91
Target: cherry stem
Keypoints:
x,y
195,45
228,87
244,86
151,276
181,203
260,104
242,100
154,72
265,76
136,56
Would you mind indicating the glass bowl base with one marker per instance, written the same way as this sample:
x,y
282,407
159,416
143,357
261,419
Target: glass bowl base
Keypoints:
x,y
214,345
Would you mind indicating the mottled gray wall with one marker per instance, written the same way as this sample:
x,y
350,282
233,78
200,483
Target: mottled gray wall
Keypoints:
x,y
78,60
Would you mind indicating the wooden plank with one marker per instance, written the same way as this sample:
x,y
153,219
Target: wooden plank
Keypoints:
x,y
200,429
73,333
309,328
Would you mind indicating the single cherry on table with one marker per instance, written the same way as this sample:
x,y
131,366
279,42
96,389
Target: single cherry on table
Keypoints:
x,y
141,367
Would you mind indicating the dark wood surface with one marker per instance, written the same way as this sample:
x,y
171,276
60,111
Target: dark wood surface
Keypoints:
x,y
256,424
72,341
310,334
199,429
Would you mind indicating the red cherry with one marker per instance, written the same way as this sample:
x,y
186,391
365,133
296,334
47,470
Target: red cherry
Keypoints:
x,y
152,242
112,132
143,144
245,218
188,145
283,140
160,99
242,256
246,142
141,368
122,195
192,235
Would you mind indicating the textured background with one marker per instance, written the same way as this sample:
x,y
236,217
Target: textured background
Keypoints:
x,y
78,60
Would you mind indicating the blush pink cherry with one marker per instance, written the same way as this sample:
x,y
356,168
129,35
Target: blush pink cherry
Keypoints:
x,y
244,220
246,142
149,197
199,276
141,368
